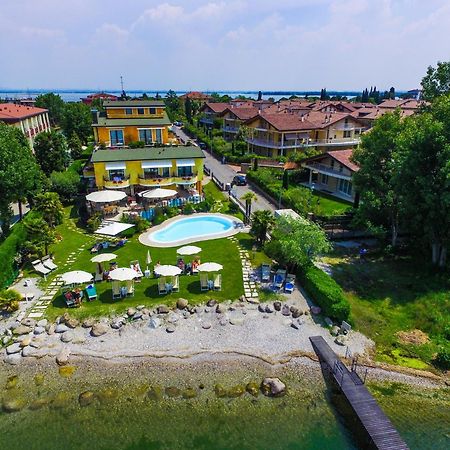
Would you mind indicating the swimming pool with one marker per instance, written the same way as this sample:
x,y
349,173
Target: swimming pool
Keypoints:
x,y
198,227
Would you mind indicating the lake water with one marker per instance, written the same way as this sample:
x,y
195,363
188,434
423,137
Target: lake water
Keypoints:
x,y
124,415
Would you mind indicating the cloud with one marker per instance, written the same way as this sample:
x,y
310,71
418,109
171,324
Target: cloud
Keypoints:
x,y
46,33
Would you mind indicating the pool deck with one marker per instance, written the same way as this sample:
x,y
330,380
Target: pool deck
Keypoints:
x,y
145,238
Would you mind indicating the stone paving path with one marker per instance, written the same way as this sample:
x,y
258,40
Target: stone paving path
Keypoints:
x,y
250,288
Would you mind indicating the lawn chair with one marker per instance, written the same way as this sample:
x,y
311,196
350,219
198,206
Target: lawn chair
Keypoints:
x,y
290,278
282,273
130,288
91,292
204,285
176,283
217,282
40,268
137,267
265,272
115,289
162,289
289,287
70,301
278,281
48,262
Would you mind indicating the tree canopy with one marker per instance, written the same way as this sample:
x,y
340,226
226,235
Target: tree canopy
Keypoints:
x,y
55,105
51,153
437,81
77,119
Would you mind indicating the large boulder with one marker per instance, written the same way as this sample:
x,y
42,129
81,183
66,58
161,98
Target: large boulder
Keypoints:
x,y
72,322
42,323
88,323
67,336
211,303
131,312
277,305
13,359
182,303
163,309
273,387
99,329
13,348
28,322
62,359
221,308
154,323
285,310
39,330
21,330
61,328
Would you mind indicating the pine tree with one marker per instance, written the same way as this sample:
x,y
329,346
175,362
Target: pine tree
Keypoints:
x,y
259,96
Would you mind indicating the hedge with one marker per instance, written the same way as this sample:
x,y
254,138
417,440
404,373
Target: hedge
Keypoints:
x,y
8,251
325,292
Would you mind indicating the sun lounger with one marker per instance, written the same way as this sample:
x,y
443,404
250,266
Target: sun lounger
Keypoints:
x,y
278,281
204,285
130,288
91,292
265,272
115,289
218,282
175,284
290,278
282,273
48,262
162,289
289,287
40,268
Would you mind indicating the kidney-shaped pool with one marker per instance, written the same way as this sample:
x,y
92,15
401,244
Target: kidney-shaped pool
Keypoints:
x,y
198,227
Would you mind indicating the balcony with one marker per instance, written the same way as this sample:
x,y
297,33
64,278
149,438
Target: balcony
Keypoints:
x,y
302,143
207,120
149,181
229,129
326,170
332,142
116,182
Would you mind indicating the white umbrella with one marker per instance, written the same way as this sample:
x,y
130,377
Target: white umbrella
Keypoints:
x,y
76,277
148,260
210,267
189,250
103,257
167,270
123,274
159,193
106,196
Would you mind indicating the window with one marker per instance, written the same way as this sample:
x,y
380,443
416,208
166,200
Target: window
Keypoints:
x,y
324,179
140,111
185,171
116,174
332,164
146,136
345,187
128,111
347,134
159,136
341,167
152,110
165,172
151,172
116,137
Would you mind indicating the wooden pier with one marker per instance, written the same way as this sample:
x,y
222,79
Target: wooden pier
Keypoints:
x,y
379,429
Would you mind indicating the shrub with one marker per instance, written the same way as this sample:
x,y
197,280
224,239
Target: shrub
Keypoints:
x,y
9,300
94,222
66,184
188,208
136,144
325,292
442,359
9,248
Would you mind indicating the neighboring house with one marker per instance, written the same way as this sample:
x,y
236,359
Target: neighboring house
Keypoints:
x,y
196,97
331,172
138,169
211,111
233,118
99,96
29,119
279,134
123,122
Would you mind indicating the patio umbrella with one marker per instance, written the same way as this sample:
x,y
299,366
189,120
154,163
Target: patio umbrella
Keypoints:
x,y
167,270
210,267
148,260
159,193
189,250
106,196
76,277
123,274
103,257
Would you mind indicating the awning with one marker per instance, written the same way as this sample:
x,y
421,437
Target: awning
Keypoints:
x,y
155,164
113,228
120,165
185,162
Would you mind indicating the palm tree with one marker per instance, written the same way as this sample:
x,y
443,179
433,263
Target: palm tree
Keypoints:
x,y
262,223
49,205
248,197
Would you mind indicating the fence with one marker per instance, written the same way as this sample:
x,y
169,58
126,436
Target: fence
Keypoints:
x,y
149,214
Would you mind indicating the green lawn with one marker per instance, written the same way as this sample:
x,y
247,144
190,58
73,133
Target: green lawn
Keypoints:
x,y
389,295
222,251
330,206
221,202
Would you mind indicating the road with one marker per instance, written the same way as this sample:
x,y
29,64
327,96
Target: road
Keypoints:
x,y
225,174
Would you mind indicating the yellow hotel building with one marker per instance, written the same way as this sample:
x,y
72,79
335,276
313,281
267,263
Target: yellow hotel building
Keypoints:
x,y
123,122
137,169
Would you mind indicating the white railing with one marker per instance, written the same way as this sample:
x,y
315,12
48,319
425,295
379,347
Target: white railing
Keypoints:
x,y
327,170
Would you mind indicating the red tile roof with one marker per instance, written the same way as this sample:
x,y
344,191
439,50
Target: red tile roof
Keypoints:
x,y
344,156
286,122
216,107
195,95
9,112
242,112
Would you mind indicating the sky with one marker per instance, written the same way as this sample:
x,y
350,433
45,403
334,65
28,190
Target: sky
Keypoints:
x,y
221,45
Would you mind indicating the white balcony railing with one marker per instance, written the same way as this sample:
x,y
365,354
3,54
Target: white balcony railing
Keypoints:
x,y
302,143
326,170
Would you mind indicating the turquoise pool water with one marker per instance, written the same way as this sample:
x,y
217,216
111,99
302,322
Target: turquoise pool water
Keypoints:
x,y
191,228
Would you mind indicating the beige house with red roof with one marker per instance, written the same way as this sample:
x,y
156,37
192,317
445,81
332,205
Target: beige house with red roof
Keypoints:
x,y
279,134
29,119
233,118
211,111
331,172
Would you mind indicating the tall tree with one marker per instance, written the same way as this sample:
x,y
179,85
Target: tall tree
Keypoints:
x,y
392,93
77,119
55,105
424,177
437,81
51,153
262,224
377,157
249,197
285,179
75,147
188,109
172,103
50,207
19,174
259,96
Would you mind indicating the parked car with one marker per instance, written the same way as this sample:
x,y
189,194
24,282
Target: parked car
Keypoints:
x,y
202,145
240,180
178,124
